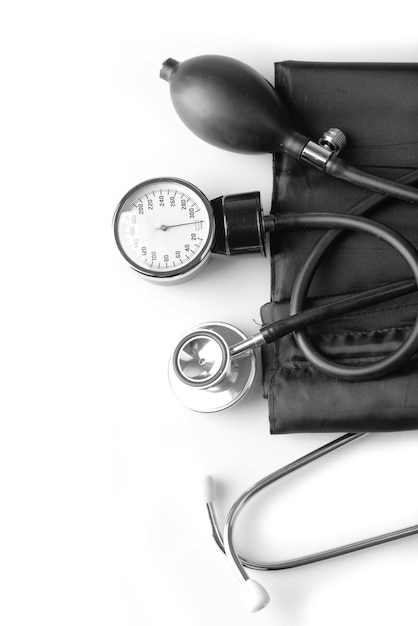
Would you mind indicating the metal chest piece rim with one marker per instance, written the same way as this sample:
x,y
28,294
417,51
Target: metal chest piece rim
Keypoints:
x,y
203,375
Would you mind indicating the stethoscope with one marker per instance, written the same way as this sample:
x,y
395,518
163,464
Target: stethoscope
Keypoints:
x,y
167,230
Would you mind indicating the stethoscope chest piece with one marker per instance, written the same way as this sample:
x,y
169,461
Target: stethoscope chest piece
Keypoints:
x,y
202,373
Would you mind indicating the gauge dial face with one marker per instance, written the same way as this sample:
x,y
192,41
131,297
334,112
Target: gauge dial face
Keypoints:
x,y
165,228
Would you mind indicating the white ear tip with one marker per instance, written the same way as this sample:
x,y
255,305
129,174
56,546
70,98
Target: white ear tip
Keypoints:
x,y
253,596
208,485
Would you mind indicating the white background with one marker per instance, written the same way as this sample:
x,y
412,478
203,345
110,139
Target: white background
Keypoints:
x,y
102,520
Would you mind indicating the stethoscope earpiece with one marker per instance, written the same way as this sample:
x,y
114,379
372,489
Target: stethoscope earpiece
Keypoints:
x,y
254,596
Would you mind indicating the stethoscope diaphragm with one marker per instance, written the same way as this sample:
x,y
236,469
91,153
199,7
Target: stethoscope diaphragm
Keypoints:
x,y
202,373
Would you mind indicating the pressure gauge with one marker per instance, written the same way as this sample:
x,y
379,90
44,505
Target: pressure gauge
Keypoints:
x,y
165,228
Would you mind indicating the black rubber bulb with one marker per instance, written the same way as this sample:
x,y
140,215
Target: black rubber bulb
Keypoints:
x,y
231,106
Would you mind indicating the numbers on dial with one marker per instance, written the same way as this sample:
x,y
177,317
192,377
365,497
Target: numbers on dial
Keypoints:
x,y
164,229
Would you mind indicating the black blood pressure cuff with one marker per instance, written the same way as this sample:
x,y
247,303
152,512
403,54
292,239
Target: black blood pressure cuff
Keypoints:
x,y
376,105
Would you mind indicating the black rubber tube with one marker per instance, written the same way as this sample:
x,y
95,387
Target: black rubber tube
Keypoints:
x,y
340,169
406,250
296,321
313,260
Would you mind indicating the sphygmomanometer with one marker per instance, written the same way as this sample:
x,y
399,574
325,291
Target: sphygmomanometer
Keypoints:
x,y
167,230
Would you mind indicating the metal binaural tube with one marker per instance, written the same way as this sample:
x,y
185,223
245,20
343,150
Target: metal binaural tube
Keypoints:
x,y
268,480
225,540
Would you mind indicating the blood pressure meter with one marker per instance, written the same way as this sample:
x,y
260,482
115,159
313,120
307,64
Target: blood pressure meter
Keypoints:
x,y
165,228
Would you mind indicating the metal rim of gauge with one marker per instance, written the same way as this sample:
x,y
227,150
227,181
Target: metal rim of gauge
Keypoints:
x,y
164,228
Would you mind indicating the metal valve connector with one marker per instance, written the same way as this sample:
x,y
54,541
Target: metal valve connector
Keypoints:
x,y
333,139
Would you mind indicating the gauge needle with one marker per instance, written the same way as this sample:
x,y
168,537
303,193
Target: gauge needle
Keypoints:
x,y
165,227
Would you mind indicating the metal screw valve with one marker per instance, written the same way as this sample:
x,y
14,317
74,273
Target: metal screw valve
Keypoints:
x,y
333,139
